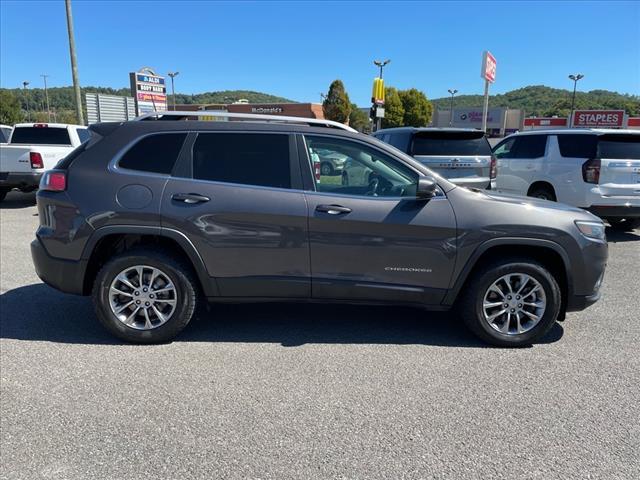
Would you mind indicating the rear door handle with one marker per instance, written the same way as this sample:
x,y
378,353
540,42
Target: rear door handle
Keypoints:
x,y
333,209
189,198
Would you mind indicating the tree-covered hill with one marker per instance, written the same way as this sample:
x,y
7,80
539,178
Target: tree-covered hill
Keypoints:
x,y
546,101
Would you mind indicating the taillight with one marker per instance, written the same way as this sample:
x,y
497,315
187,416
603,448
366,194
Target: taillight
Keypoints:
x,y
53,181
591,170
40,125
316,170
36,160
493,171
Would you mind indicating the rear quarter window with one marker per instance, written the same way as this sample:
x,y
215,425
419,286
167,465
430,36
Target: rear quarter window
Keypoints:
x,y
577,146
619,146
450,143
41,136
156,153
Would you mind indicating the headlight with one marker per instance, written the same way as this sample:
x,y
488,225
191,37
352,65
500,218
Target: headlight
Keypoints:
x,y
591,229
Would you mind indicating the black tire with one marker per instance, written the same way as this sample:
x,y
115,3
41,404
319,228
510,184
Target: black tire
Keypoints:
x,y
624,224
179,273
470,305
543,193
326,169
3,193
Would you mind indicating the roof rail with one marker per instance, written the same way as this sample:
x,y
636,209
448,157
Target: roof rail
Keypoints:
x,y
244,116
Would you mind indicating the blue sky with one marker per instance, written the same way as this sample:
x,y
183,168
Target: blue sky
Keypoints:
x,y
295,49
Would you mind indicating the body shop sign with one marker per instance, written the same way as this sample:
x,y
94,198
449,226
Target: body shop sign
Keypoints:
x,y
598,118
149,90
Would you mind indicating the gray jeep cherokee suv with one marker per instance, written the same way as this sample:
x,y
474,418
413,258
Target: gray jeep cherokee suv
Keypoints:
x,y
150,217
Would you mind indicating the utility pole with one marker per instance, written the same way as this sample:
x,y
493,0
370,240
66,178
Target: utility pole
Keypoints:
x,y
74,64
46,96
575,79
25,84
173,89
452,92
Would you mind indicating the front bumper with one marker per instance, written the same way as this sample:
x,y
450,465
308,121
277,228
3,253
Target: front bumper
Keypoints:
x,y
20,180
64,275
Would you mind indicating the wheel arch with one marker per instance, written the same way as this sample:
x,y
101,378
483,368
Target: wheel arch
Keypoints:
x,y
106,241
546,252
542,184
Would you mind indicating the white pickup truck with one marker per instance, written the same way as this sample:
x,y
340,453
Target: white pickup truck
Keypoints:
x,y
34,148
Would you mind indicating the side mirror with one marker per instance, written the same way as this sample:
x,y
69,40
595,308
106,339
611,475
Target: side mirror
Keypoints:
x,y
427,188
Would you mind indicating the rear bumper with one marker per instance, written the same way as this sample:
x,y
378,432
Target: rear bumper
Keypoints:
x,y
613,211
64,275
21,180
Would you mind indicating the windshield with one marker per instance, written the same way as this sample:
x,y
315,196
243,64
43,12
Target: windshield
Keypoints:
x,y
450,144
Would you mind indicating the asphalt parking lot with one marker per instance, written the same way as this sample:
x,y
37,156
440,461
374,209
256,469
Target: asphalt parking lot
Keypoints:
x,y
319,391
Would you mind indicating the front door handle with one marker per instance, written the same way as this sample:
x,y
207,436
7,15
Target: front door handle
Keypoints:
x,y
333,209
189,198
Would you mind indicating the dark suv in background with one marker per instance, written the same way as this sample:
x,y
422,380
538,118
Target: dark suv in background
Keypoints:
x,y
461,155
151,216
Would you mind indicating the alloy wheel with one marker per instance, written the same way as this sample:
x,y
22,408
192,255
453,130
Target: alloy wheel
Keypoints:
x,y
142,297
514,304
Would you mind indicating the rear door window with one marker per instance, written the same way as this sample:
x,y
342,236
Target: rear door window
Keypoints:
x,y
577,145
530,146
243,158
41,136
619,146
450,144
156,153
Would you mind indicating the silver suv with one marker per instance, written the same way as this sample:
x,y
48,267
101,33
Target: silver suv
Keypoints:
x,y
461,155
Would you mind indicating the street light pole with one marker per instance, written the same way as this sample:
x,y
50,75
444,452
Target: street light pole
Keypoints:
x,y
381,65
46,96
25,84
575,79
74,64
452,92
173,89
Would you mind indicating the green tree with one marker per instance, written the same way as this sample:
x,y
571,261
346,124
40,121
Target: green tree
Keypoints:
x,y
393,109
336,105
359,119
417,108
10,112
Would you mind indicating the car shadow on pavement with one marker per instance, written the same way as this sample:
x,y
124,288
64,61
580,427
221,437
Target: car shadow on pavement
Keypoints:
x,y
39,313
614,236
16,199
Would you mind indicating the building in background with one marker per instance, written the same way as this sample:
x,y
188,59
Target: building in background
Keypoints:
x,y
585,119
501,121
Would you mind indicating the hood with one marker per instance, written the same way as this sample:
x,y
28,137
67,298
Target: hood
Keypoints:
x,y
537,203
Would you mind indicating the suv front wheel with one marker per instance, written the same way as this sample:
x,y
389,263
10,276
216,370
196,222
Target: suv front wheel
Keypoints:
x,y
144,296
511,303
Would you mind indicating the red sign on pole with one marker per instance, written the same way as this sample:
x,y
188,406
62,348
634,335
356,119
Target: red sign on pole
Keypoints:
x,y
489,65
598,118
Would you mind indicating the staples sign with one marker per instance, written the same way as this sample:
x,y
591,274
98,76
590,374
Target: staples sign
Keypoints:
x,y
489,65
598,118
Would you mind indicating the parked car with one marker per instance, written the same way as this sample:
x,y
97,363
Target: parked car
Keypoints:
x,y
462,156
5,133
594,169
150,216
331,163
34,148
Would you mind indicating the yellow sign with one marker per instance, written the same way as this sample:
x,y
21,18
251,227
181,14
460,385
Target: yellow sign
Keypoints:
x,y
377,95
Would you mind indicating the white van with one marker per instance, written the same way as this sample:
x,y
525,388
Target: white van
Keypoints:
x,y
595,169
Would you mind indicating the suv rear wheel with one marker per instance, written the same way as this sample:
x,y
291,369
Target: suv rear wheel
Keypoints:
x,y
511,303
543,192
144,296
